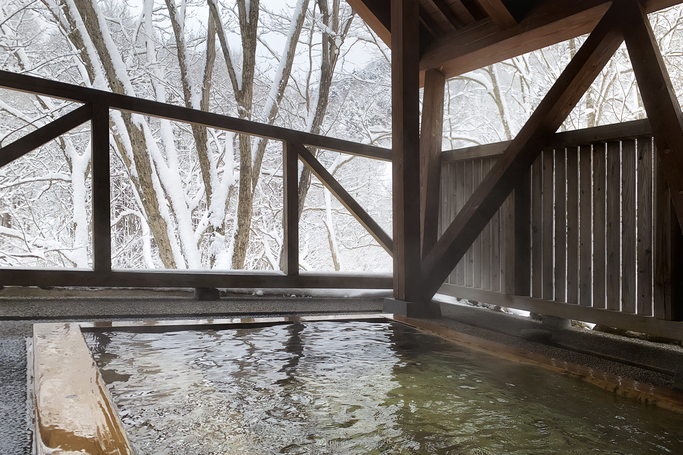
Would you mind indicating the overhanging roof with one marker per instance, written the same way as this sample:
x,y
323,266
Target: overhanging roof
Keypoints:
x,y
462,35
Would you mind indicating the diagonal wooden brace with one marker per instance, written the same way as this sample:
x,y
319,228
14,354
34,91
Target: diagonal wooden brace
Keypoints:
x,y
45,134
523,150
659,98
343,196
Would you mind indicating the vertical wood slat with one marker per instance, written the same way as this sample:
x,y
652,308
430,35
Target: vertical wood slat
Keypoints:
x,y
645,218
460,198
496,247
290,222
537,228
613,248
572,224
447,200
599,228
476,245
101,189
519,235
486,239
628,226
509,250
507,240
469,267
560,226
585,227
548,234
662,239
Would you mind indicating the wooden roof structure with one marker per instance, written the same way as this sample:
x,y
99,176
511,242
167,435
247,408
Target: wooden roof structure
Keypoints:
x,y
458,36
432,40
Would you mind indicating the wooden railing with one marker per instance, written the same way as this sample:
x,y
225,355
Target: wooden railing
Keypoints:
x,y
588,235
97,105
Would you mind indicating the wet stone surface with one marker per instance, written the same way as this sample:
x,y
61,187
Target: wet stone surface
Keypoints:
x,y
15,437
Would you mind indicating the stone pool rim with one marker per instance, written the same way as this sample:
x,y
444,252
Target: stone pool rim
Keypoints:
x,y
102,431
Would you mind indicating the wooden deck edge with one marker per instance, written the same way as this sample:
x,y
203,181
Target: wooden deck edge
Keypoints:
x,y
617,319
645,393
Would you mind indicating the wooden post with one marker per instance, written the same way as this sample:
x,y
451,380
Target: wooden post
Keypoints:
x,y
430,156
405,60
101,197
290,221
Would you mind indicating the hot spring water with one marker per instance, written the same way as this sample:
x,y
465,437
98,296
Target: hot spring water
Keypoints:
x,y
358,388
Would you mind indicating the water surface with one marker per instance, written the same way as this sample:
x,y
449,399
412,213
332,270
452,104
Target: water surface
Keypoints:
x,y
358,388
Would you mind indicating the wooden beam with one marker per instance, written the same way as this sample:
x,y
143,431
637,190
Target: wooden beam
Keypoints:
x,y
539,129
101,192
498,13
431,137
290,209
61,90
405,45
552,22
344,197
604,133
429,23
659,98
44,134
376,14
185,279
447,14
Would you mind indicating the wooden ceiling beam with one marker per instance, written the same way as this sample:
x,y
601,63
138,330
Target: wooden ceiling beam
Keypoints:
x,y
447,14
429,23
499,13
483,43
377,14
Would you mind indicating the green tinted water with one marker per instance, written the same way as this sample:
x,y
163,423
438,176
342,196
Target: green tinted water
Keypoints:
x,y
358,388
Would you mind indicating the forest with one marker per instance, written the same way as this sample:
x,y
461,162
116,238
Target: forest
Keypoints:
x,y
189,197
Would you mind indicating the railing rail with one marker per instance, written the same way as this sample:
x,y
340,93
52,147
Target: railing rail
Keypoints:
x,y
96,110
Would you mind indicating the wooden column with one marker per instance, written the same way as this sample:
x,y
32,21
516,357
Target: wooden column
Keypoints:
x,y
430,156
290,209
101,197
405,60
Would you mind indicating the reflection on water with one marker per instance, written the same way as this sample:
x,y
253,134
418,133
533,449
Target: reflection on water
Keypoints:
x,y
358,388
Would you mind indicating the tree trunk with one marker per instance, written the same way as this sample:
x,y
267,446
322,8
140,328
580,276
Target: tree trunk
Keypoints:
x,y
136,137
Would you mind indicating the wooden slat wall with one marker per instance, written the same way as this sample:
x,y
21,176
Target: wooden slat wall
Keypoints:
x,y
594,209
482,266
